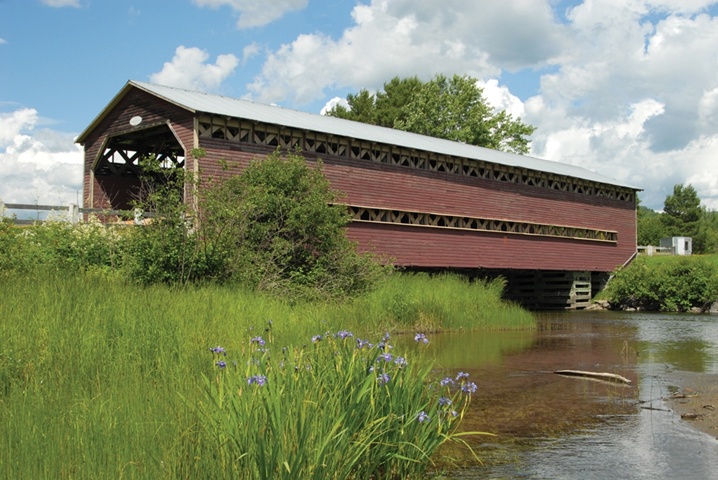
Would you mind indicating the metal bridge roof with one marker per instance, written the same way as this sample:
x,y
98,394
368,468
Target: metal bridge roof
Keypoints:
x,y
232,107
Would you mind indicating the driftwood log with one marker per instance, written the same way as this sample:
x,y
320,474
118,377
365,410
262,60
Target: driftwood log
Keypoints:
x,y
606,377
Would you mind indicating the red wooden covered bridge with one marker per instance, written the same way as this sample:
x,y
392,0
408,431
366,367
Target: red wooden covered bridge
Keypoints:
x,y
553,230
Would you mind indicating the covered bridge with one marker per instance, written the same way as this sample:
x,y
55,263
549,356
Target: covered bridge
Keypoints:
x,y
553,230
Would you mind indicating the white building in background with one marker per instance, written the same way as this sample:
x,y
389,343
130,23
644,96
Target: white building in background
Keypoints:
x,y
680,245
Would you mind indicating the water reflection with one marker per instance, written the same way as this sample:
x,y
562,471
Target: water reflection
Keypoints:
x,y
551,426
457,350
686,342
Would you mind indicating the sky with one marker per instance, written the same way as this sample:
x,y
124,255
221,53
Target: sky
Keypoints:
x,y
625,88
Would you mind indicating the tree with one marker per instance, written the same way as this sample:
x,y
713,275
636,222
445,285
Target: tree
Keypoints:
x,y
707,238
383,109
362,108
650,227
682,211
455,109
451,108
391,103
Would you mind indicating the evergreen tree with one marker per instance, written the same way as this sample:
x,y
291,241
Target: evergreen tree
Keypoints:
x,y
682,212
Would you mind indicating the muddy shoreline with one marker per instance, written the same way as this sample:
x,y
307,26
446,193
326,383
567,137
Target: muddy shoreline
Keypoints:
x,y
696,400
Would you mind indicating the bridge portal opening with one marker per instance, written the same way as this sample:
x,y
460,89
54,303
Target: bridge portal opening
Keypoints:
x,y
118,171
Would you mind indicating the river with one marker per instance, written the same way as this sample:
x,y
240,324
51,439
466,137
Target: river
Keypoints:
x,y
553,427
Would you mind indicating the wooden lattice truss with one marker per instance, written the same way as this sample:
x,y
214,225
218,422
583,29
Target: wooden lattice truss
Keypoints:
x,y
434,220
245,131
122,154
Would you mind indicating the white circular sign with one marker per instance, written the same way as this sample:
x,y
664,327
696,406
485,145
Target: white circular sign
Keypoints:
x,y
134,121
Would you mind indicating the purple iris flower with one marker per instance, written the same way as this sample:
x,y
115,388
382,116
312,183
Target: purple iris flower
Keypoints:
x,y
258,379
446,381
387,357
469,387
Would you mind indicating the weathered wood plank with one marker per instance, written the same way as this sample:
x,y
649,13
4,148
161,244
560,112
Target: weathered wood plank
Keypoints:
x,y
606,377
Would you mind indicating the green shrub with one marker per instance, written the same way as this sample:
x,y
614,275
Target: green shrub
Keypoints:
x,y
166,249
60,245
8,243
281,229
678,284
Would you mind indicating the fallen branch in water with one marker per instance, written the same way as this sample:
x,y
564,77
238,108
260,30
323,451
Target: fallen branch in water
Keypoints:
x,y
683,395
607,377
690,416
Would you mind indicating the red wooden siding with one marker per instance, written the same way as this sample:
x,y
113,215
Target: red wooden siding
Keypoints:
x,y
392,187
430,247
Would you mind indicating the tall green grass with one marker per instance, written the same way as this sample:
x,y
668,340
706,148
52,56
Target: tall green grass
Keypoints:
x,y
100,378
435,303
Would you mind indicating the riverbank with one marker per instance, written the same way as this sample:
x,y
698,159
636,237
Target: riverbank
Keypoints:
x,y
696,400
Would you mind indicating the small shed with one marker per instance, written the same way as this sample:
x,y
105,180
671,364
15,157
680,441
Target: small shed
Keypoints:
x,y
680,245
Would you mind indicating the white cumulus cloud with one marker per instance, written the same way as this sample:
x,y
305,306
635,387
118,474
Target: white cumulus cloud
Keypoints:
x,y
386,39
37,165
501,98
189,69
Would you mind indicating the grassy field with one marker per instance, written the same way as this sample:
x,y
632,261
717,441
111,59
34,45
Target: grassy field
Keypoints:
x,y
103,379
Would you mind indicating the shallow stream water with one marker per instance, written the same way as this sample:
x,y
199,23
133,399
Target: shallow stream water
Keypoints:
x,y
555,427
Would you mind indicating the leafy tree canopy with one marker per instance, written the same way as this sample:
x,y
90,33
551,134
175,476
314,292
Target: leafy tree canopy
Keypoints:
x,y
650,227
451,108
